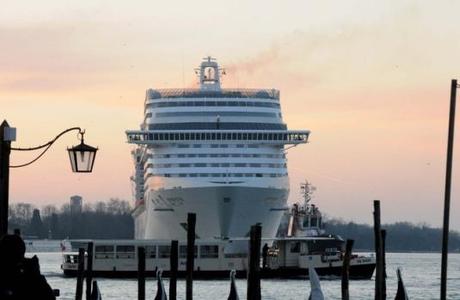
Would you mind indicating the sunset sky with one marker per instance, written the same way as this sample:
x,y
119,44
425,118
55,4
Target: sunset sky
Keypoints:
x,y
370,79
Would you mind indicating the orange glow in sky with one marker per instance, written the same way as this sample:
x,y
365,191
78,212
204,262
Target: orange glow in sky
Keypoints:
x,y
370,80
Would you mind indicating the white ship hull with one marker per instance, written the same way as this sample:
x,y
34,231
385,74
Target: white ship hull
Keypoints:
x,y
224,211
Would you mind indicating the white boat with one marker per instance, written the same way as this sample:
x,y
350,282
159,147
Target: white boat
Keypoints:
x,y
288,258
219,153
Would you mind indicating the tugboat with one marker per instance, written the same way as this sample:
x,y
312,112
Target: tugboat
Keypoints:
x,y
302,242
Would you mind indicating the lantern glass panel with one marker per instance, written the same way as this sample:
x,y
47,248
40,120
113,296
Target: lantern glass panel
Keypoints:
x,y
82,158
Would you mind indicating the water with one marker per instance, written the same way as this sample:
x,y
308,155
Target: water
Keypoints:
x,y
421,273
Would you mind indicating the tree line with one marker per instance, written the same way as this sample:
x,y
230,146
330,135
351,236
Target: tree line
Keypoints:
x,y
400,237
112,220
102,220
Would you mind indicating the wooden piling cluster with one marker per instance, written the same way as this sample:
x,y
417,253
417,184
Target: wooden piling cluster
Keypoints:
x,y
346,270
191,222
253,287
174,266
141,273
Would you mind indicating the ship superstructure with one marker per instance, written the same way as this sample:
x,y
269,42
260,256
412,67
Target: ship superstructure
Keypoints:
x,y
219,153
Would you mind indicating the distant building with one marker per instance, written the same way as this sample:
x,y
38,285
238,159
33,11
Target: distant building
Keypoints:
x,y
76,204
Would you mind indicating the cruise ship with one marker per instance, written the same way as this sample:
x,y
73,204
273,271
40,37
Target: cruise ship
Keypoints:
x,y
213,151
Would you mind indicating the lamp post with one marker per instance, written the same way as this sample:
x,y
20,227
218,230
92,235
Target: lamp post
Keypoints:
x,y
81,157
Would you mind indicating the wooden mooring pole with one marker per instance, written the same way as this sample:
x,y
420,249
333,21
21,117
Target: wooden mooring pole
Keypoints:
x,y
80,274
253,292
447,190
141,273
191,222
174,264
346,270
378,252
89,270
383,234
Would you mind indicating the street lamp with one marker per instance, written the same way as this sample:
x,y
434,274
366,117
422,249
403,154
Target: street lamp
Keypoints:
x,y
81,158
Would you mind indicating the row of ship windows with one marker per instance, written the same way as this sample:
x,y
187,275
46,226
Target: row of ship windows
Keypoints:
x,y
218,165
220,175
221,136
215,114
216,146
216,155
213,103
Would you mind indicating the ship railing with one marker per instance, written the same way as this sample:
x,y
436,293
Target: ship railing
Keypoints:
x,y
223,93
281,137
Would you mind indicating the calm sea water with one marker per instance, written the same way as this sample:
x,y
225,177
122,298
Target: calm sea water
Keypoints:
x,y
421,273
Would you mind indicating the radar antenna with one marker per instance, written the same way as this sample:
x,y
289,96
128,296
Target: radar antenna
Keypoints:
x,y
306,189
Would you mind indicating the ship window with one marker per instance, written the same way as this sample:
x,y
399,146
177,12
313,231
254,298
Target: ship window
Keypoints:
x,y
164,251
213,155
214,165
222,103
232,103
211,251
202,155
204,175
183,251
182,146
239,146
125,251
224,146
103,252
240,165
187,136
200,165
229,136
258,175
208,136
225,165
196,146
239,136
184,165
295,247
214,146
218,136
